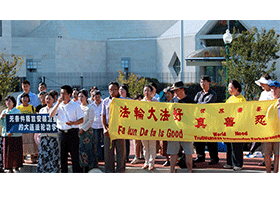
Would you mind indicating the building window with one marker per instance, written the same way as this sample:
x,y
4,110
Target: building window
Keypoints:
x,y
220,29
125,63
222,26
175,64
33,65
213,72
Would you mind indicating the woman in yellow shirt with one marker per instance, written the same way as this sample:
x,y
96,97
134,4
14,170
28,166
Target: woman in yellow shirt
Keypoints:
x,y
234,149
29,145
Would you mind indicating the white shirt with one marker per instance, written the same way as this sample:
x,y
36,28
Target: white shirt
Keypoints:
x,y
68,112
266,95
45,110
97,124
89,117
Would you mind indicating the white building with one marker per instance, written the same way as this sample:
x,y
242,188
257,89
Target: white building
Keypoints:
x,y
88,53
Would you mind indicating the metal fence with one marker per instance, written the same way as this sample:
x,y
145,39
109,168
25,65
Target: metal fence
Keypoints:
x,y
55,80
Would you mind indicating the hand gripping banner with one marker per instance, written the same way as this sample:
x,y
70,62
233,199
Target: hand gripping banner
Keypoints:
x,y
253,121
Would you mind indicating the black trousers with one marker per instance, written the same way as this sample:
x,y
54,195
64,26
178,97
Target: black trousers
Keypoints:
x,y
69,142
212,148
235,154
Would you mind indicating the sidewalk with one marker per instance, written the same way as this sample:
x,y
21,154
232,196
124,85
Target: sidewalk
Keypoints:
x,y
250,165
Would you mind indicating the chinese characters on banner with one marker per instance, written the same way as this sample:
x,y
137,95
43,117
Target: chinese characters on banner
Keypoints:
x,y
254,121
31,123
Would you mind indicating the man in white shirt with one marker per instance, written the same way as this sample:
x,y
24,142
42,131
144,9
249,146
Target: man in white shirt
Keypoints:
x,y
69,116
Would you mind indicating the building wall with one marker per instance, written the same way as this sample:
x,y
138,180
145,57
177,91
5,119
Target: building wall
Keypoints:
x,y
166,49
42,49
21,28
142,54
80,56
6,39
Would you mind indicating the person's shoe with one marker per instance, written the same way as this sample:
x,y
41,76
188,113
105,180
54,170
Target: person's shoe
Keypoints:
x,y
228,167
151,168
145,166
197,160
237,168
213,162
16,171
167,163
135,161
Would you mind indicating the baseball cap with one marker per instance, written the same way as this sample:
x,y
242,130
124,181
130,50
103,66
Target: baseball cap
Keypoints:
x,y
274,83
262,80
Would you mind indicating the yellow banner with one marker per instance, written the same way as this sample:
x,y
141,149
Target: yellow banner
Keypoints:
x,y
254,121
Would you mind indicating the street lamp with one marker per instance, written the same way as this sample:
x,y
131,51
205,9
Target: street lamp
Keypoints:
x,y
227,37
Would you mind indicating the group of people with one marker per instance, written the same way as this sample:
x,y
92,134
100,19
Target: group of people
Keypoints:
x,y
171,149
84,132
79,130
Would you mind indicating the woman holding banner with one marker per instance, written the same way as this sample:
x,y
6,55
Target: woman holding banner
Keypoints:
x,y
149,146
48,159
234,149
12,151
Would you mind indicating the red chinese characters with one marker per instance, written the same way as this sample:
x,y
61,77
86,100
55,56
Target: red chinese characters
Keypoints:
x,y
152,114
139,113
222,110
177,113
229,122
239,110
259,109
260,120
164,115
124,112
200,123
202,110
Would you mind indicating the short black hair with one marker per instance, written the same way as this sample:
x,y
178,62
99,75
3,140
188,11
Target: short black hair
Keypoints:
x,y
96,92
43,83
24,95
26,82
206,78
84,92
114,83
237,85
12,99
75,89
149,86
67,88
267,76
52,94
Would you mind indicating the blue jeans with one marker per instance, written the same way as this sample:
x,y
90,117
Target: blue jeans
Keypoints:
x,y
99,142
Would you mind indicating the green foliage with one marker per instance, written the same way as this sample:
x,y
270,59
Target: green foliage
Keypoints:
x,y
135,84
8,71
252,54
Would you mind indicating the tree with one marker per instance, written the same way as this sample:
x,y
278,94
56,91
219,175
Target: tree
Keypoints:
x,y
252,54
135,84
8,69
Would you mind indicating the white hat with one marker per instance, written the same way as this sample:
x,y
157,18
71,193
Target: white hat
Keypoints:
x,y
262,80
